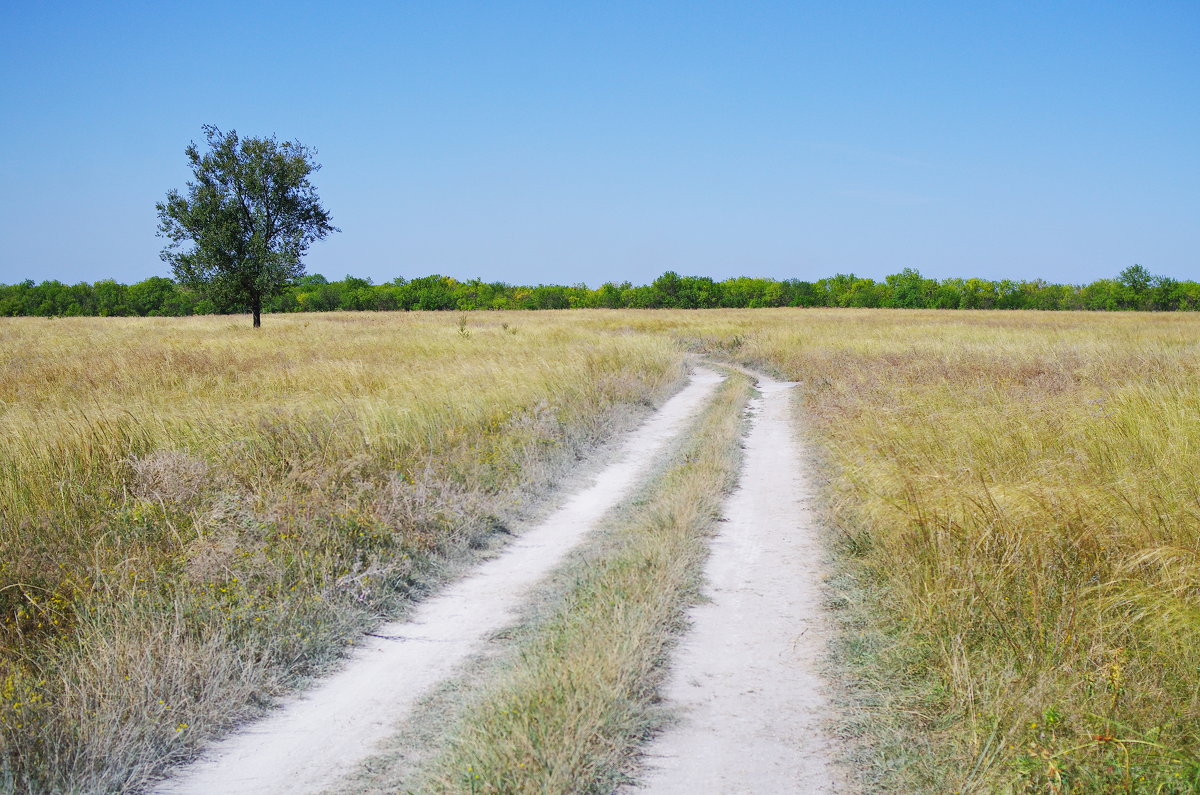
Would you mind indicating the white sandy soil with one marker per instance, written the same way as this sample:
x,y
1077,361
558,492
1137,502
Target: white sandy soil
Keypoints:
x,y
305,746
746,679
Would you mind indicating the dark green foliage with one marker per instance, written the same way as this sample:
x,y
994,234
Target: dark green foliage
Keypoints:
x,y
250,215
1134,289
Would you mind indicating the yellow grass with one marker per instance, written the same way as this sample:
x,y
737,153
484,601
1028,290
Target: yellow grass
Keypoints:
x,y
1014,496
194,515
1020,491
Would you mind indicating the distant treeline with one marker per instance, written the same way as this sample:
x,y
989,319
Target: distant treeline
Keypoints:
x,y
1134,289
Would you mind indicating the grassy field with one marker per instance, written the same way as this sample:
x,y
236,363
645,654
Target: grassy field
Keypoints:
x,y
1018,507
194,516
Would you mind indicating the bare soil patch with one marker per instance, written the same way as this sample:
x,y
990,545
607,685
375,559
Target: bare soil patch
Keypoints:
x,y
746,681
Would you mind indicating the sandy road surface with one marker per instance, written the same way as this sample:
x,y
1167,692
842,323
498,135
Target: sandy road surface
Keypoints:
x,y
746,677
308,743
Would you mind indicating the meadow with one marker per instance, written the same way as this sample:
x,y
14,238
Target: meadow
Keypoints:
x,y
194,517
1015,504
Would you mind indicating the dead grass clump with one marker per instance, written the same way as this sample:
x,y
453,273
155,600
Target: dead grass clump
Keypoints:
x,y
427,511
168,476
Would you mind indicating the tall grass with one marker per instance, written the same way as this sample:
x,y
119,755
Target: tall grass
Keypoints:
x,y
1019,494
194,516
1015,494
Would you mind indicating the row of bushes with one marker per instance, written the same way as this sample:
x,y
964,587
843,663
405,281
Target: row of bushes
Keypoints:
x,y
1134,289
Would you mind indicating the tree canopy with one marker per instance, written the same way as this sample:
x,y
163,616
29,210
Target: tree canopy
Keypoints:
x,y
249,215
158,296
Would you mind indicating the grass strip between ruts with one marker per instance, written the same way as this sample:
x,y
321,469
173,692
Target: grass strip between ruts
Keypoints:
x,y
578,696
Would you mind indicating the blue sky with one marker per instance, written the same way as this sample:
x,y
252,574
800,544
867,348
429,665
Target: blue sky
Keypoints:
x,y
587,141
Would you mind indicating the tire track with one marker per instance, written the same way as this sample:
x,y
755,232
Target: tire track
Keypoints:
x,y
317,737
746,678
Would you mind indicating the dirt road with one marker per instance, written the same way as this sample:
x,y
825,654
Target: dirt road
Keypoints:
x,y
746,679
308,743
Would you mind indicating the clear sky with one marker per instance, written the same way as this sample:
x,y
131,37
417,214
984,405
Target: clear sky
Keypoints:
x,y
586,141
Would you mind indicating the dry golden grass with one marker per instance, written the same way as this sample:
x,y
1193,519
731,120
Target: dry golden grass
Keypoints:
x,y
1015,495
194,515
1019,491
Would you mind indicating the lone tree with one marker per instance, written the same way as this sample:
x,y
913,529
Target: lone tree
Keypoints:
x,y
250,215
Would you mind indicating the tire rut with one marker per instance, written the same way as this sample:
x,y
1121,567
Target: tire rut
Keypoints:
x,y
320,735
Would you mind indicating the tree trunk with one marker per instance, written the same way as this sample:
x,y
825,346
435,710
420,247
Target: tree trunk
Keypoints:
x,y
257,306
